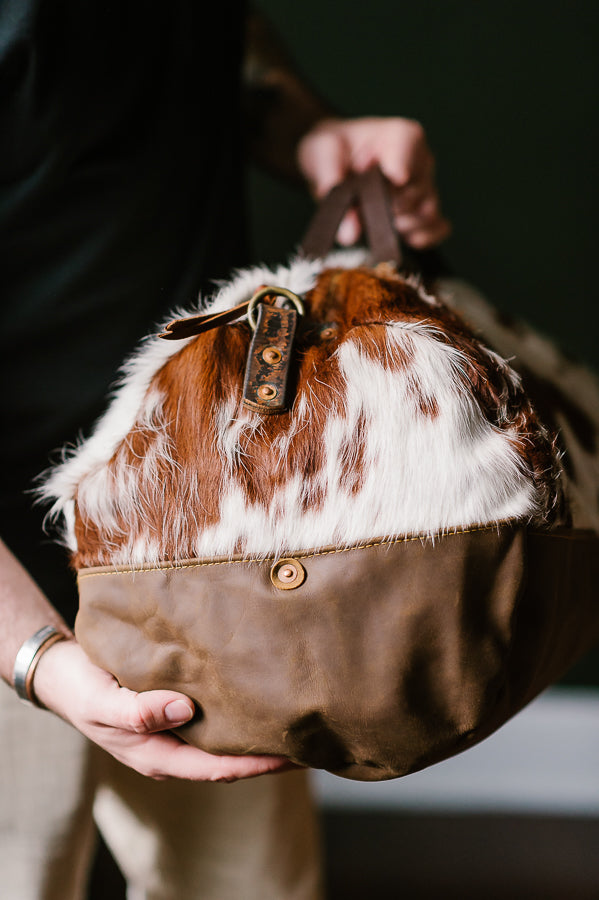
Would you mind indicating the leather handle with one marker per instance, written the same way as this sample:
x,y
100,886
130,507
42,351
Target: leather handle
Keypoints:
x,y
371,192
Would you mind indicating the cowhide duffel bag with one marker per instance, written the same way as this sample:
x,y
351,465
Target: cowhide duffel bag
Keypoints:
x,y
330,514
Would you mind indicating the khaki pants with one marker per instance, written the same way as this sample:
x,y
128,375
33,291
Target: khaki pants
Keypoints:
x,y
252,840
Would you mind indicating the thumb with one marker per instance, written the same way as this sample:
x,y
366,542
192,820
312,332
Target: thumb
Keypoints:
x,y
323,158
151,711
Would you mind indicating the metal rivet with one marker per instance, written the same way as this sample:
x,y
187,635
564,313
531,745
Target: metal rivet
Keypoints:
x,y
287,574
328,332
272,355
267,392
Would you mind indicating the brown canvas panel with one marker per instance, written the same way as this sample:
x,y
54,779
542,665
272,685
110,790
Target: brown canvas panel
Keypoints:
x,y
385,659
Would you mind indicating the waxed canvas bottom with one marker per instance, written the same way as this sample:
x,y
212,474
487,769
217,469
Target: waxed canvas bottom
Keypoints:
x,y
384,658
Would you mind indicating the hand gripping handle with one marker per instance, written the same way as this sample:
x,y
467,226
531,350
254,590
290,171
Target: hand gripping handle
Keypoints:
x,y
371,192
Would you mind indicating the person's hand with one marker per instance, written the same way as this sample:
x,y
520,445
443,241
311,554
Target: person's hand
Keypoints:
x,y
335,148
131,726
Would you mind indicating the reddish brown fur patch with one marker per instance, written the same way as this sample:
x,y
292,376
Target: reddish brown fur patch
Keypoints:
x,y
353,458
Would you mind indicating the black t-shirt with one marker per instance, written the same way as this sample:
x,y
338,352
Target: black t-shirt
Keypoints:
x,y
121,196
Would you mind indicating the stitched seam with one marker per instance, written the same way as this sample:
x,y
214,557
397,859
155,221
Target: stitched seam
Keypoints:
x,y
303,555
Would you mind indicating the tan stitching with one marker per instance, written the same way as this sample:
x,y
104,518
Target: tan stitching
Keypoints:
x,y
83,573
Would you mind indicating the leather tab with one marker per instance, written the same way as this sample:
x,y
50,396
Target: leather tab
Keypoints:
x,y
192,325
269,359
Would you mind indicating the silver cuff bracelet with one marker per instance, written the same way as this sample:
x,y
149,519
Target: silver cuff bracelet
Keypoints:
x,y
28,657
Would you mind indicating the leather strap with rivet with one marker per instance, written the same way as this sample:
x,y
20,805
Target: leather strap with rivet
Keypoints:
x,y
266,382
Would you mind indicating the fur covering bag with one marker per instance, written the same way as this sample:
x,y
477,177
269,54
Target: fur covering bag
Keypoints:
x,y
343,525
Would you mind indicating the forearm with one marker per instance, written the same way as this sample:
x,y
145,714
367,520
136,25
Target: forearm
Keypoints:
x,y
280,107
23,610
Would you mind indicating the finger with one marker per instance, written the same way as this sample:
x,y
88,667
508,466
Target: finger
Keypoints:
x,y
162,756
426,214
404,155
192,763
146,712
409,199
323,159
423,238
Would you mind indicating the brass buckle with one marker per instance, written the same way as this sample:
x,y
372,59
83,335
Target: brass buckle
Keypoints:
x,y
277,292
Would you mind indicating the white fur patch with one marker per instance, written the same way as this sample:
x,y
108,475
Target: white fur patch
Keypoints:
x,y
422,475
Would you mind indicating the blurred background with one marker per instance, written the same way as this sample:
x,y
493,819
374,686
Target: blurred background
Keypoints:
x,y
507,92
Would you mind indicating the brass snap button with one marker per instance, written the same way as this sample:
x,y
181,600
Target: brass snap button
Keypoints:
x,y
271,355
287,574
267,392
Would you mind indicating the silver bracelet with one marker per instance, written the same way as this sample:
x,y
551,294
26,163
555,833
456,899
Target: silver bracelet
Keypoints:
x,y
28,657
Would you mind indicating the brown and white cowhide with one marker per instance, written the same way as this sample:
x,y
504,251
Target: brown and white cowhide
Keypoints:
x,y
402,423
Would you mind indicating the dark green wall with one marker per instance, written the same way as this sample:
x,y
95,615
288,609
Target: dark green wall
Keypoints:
x,y
507,93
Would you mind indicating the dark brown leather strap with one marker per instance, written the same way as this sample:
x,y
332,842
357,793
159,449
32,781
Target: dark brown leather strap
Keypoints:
x,y
193,325
320,236
183,328
371,192
375,207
